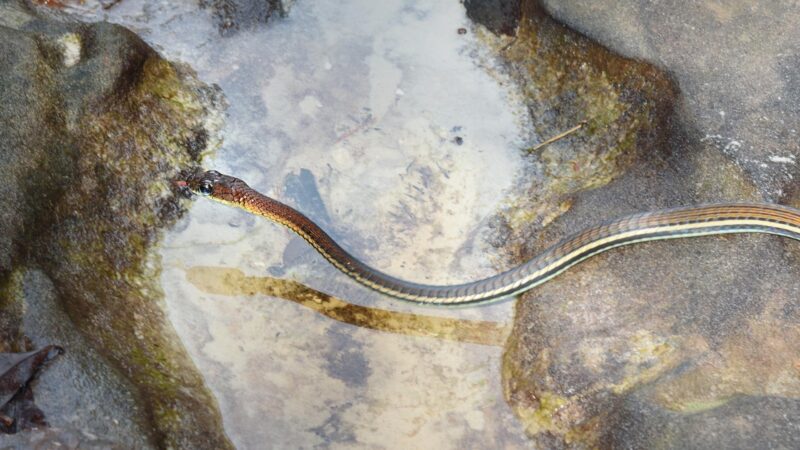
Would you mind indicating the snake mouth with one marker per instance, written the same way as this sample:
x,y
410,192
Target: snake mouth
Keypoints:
x,y
183,188
666,224
182,183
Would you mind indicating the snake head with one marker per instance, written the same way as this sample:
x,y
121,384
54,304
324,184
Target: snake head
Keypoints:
x,y
186,182
207,183
197,181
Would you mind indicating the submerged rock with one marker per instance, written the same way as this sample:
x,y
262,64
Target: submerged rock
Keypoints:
x,y
93,122
499,16
669,344
232,15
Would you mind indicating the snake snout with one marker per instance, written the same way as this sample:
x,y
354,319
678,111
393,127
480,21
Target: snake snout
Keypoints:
x,y
182,188
182,183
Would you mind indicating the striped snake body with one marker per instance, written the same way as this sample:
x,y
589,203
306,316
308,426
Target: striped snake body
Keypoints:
x,y
668,224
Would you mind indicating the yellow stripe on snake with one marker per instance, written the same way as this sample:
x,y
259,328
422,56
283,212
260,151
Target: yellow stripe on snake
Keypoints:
x,y
667,224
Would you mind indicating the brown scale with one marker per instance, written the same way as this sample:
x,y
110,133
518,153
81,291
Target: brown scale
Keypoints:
x,y
721,218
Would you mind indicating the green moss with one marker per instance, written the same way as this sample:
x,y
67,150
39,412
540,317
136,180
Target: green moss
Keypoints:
x,y
94,144
130,150
541,419
160,82
567,80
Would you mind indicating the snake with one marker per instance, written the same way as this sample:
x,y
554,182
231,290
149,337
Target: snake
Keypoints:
x,y
701,220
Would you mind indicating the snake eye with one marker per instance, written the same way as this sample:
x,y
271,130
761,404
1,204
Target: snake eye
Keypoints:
x,y
206,188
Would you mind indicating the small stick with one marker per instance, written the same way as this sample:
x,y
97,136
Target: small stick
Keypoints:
x,y
557,137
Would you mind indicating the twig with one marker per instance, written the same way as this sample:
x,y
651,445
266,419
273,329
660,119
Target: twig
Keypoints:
x,y
557,137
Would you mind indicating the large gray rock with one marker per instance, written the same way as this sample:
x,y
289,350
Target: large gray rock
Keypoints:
x,y
735,62
93,122
672,344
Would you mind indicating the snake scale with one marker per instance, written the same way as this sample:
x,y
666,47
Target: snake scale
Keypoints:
x,y
667,224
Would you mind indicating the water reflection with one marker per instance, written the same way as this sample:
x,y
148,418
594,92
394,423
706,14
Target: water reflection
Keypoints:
x,y
402,137
233,282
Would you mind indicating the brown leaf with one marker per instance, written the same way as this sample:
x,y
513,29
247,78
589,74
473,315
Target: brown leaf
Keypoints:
x,y
17,372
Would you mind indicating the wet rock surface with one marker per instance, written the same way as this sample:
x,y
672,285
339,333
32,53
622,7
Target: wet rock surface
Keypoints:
x,y
92,124
620,109
668,344
84,396
351,98
233,15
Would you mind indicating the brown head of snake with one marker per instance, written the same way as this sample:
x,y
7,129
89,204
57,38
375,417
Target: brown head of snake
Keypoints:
x,y
667,224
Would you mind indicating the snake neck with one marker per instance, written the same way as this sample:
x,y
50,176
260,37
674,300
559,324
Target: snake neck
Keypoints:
x,y
658,225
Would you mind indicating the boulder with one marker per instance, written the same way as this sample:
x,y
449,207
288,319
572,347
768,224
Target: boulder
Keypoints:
x,y
670,344
93,123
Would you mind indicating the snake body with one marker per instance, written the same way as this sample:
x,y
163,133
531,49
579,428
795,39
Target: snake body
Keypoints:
x,y
667,224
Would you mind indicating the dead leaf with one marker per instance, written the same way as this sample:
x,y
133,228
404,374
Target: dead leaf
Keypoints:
x,y
17,371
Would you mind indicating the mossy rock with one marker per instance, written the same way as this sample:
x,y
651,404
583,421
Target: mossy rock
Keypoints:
x,y
93,123
659,345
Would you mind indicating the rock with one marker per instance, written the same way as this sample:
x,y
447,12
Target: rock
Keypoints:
x,y
55,438
684,343
622,110
499,16
232,15
93,122
736,65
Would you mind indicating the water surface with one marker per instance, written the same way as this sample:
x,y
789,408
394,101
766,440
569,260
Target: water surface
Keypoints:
x,y
401,137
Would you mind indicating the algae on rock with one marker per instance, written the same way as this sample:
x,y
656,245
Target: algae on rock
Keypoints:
x,y
662,344
94,122
567,80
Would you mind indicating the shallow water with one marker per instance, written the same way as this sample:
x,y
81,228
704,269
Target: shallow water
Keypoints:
x,y
401,137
